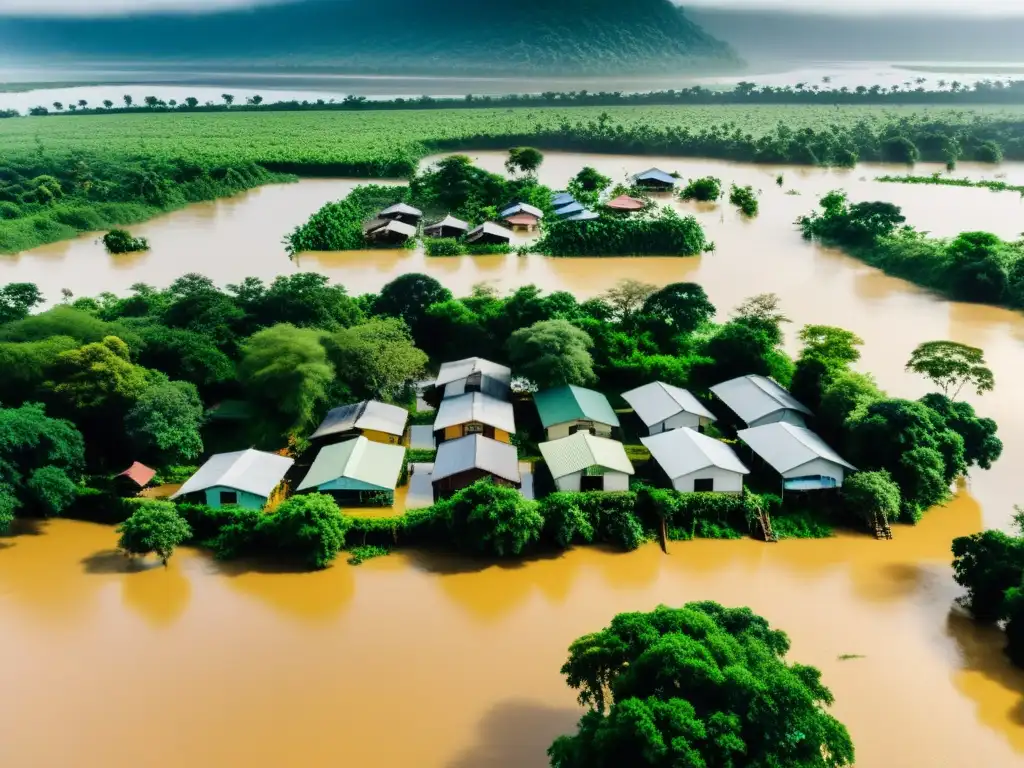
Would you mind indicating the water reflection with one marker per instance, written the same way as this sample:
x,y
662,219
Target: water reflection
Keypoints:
x,y
318,597
517,733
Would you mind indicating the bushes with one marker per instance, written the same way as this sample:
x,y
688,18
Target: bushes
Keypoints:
x,y
704,189
339,226
119,241
444,246
490,519
155,526
744,199
663,234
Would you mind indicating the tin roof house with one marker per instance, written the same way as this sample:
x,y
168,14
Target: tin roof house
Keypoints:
x,y
355,470
462,462
474,413
489,233
244,478
474,374
758,401
804,460
655,179
693,462
663,407
567,410
584,462
449,226
403,213
376,421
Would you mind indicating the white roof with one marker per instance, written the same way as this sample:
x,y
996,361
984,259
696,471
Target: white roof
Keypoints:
x,y
463,369
577,452
250,471
489,228
395,226
754,397
476,406
368,414
449,221
656,402
477,452
402,208
523,208
682,451
786,447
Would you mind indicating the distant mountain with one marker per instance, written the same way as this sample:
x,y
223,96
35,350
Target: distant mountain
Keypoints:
x,y
494,37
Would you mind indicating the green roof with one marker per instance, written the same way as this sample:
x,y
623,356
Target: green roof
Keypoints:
x,y
578,452
558,406
365,461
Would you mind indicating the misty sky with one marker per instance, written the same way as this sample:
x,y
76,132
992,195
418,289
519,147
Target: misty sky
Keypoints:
x,y
95,7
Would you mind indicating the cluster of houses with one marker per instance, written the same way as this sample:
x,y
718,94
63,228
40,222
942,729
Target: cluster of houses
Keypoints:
x,y
359,450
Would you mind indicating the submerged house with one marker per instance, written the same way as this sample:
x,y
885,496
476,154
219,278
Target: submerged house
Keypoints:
x,y
462,462
474,413
662,407
626,204
584,215
474,374
379,422
583,462
693,462
449,226
758,400
393,232
355,471
522,221
244,478
522,208
403,213
489,233
561,199
804,460
567,410
655,179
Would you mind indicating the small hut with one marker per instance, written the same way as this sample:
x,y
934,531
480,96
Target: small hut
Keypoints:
x,y
525,208
570,409
805,461
474,413
662,408
379,422
489,233
133,479
393,232
474,374
244,478
462,462
626,204
758,401
655,179
693,462
522,221
403,213
449,226
355,471
583,462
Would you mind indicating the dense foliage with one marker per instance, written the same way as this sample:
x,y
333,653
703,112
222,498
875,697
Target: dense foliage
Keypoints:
x,y
662,233
705,189
700,685
120,241
339,226
745,199
155,526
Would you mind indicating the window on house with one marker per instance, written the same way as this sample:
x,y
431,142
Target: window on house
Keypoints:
x,y
474,429
592,483
582,426
228,497
703,486
474,382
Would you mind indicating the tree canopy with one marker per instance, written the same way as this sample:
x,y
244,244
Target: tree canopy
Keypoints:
x,y
951,366
552,353
154,526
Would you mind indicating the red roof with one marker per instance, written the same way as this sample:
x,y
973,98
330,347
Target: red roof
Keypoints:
x,y
523,219
140,473
626,203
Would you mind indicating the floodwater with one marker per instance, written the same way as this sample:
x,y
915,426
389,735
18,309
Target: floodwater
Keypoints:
x,y
415,660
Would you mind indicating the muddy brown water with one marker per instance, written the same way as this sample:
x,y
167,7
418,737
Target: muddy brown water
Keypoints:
x,y
415,660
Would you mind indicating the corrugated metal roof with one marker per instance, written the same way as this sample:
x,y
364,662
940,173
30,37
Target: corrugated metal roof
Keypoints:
x,y
577,452
250,471
754,397
562,198
140,474
489,228
626,203
401,208
523,208
477,452
476,406
562,404
656,174
360,459
786,447
584,216
523,219
656,402
682,451
398,227
463,369
449,222
368,414
569,210
373,224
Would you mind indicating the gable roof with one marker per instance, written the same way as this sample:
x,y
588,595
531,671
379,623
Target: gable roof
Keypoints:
x,y
463,369
754,397
657,401
682,451
489,228
786,447
400,208
138,473
562,404
369,414
250,471
575,453
476,406
626,203
477,452
570,209
523,219
360,459
450,222
585,215
562,198
398,227
523,208
656,174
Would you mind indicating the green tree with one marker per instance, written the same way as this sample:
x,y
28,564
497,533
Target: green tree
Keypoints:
x,y
951,366
186,356
81,326
99,377
490,519
376,359
308,528
17,300
745,199
127,100
155,526
979,267
524,160
305,300
107,104
195,304
827,351
164,424
683,307
700,685
987,564
587,185
628,297
409,297
705,189
286,376
229,99
872,495
552,353
192,102
25,366
981,446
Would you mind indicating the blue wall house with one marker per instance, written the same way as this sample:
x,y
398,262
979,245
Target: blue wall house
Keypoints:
x,y
244,478
356,472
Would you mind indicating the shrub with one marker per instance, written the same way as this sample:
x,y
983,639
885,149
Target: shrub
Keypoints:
x,y
744,199
704,189
308,528
444,246
156,527
119,241
486,518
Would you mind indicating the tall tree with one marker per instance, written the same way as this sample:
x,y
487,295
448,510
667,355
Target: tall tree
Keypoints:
x,y
524,160
552,353
627,297
683,307
375,359
164,424
17,300
409,297
155,526
951,366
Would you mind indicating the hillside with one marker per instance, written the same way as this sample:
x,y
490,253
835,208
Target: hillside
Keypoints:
x,y
406,36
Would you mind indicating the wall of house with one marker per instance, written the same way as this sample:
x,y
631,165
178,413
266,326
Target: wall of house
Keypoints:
x,y
348,484
616,481
822,467
381,437
724,480
502,436
461,430
569,482
455,388
449,485
789,417
557,431
247,500
680,420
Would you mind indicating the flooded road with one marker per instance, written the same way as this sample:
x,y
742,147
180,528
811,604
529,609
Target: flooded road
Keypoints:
x,y
412,660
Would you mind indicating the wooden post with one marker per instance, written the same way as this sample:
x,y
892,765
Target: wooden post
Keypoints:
x,y
664,536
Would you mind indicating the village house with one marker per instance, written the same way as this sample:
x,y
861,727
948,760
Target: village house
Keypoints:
x,y
134,479
561,199
244,478
489,233
403,213
758,401
389,232
655,179
474,413
462,462
662,407
379,422
583,462
449,226
692,462
567,410
474,374
355,471
804,460
626,204
571,209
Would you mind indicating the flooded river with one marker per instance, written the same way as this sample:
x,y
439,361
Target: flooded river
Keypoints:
x,y
415,661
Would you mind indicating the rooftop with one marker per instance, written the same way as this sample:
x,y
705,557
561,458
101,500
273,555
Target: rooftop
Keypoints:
x,y
786,447
569,210
463,369
576,453
401,209
564,404
373,464
369,414
477,452
523,208
138,473
626,203
656,174
250,471
476,406
489,228
449,222
754,397
682,451
656,402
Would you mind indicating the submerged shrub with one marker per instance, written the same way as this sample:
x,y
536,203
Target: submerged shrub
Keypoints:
x,y
120,241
